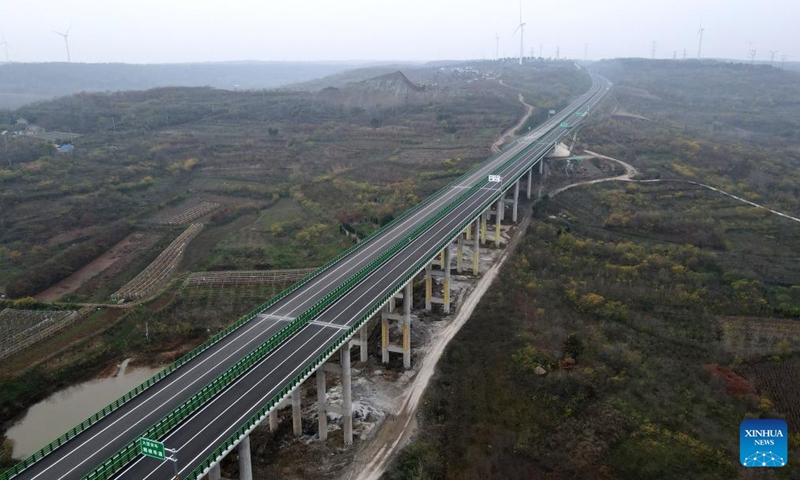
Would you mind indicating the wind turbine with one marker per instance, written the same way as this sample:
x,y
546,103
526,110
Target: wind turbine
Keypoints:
x,y
496,46
5,45
66,41
700,44
521,28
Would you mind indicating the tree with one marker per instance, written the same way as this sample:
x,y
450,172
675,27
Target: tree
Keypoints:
x,y
573,345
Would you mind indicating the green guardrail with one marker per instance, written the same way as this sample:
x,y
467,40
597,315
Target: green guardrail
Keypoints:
x,y
282,334
114,463
49,448
297,380
258,417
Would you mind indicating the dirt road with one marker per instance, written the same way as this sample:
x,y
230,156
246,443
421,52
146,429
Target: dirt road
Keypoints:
x,y
375,455
631,172
509,134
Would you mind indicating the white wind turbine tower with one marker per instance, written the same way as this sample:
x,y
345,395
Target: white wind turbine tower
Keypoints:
x,y
521,28
4,44
700,44
496,46
66,41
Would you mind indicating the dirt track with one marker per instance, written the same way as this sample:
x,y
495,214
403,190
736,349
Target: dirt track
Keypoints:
x,y
123,252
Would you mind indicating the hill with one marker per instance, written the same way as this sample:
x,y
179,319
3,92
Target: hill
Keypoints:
x,y
22,83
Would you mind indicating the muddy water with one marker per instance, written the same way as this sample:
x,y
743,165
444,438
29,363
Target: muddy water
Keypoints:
x,y
63,410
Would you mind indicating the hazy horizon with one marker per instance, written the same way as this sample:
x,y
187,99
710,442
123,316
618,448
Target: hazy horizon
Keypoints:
x,y
151,32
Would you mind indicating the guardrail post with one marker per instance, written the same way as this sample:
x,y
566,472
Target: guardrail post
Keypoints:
x,y
516,201
347,407
322,400
297,418
245,465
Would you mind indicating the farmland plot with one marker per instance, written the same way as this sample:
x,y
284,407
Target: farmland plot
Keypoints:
x,y
751,337
21,328
162,268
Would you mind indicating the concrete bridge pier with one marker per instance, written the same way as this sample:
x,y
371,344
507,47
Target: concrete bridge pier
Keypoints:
x,y
498,219
530,181
362,343
245,463
447,264
346,407
297,415
273,420
516,201
405,318
215,473
476,248
460,253
428,287
408,299
322,400
484,219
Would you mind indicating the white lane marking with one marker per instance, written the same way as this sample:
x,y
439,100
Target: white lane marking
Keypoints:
x,y
328,324
407,223
449,227
144,418
268,316
524,167
235,336
386,274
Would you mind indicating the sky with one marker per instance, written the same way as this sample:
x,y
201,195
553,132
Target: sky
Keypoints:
x,y
171,31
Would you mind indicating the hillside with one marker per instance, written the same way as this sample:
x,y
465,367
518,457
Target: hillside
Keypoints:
x,y
21,83
640,323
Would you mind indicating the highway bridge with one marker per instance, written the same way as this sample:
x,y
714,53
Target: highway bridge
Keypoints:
x,y
206,404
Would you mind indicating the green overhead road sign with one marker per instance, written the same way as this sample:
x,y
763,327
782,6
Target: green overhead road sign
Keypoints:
x,y
565,124
152,448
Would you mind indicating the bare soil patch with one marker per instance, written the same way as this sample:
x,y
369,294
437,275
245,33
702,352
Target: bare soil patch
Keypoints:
x,y
119,256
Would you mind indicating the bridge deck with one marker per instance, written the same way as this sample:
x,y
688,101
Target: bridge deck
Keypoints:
x,y
200,434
